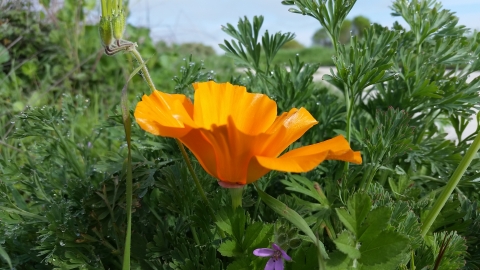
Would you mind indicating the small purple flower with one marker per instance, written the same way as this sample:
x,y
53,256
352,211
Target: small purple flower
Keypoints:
x,y
276,255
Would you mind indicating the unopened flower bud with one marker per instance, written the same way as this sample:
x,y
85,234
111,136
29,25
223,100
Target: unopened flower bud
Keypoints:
x,y
118,23
106,31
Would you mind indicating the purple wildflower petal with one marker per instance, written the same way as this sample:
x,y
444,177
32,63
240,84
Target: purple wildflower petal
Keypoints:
x,y
271,265
278,265
263,252
285,256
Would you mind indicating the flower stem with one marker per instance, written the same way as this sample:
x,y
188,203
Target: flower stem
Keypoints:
x,y
236,194
145,73
197,183
129,178
451,185
348,129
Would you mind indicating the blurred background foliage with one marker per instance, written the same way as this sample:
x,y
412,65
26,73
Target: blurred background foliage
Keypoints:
x,y
62,147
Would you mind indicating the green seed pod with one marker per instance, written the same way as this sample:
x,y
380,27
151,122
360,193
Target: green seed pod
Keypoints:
x,y
280,228
106,31
118,23
294,243
292,233
281,239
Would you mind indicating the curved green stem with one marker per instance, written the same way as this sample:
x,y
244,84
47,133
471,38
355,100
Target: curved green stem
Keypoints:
x,y
451,185
197,183
145,73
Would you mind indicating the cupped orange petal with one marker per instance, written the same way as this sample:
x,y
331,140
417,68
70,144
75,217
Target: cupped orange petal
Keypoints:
x,y
216,102
305,158
202,149
168,115
223,151
287,128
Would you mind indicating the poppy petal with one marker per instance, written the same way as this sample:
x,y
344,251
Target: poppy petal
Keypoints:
x,y
168,115
338,148
216,102
202,149
286,129
306,158
233,151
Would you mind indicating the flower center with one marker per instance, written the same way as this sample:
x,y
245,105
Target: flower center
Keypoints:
x,y
277,255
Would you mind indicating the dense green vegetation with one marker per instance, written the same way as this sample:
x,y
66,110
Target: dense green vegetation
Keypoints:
x,y
63,150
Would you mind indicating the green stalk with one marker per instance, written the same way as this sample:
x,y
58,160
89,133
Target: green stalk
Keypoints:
x,y
349,104
129,178
197,183
104,8
451,185
412,260
236,194
145,73
194,233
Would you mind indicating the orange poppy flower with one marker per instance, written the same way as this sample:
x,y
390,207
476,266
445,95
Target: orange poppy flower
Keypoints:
x,y
237,136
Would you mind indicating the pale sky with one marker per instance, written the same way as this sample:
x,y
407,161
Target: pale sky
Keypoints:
x,y
200,21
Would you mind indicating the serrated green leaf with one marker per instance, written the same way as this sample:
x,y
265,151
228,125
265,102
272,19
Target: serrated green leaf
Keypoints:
x,y
347,219
338,261
242,264
392,263
229,248
384,247
376,221
232,222
358,207
304,258
257,235
346,244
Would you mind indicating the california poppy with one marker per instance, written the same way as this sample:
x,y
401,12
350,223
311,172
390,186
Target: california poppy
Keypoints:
x,y
237,136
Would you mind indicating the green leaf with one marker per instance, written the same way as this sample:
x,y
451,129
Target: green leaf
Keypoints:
x,y
293,217
5,256
338,261
4,55
382,248
377,220
229,249
304,258
242,264
358,207
232,222
257,235
29,69
346,244
303,185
